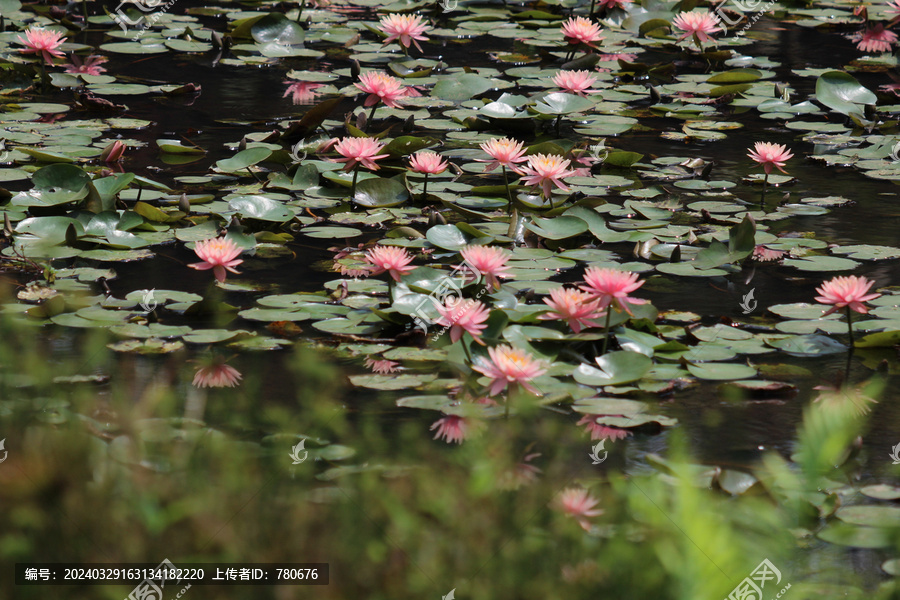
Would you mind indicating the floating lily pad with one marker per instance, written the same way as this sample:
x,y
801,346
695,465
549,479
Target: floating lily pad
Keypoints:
x,y
391,382
721,371
807,345
844,534
615,368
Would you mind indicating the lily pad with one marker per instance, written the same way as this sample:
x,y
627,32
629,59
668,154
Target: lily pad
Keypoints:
x,y
615,368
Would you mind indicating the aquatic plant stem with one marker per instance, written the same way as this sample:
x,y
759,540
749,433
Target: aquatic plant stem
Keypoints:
x,y
353,185
509,397
425,189
762,198
847,365
42,74
466,350
606,337
591,15
850,326
371,116
84,9
508,192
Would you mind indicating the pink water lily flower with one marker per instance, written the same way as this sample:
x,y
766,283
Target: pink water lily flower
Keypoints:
x,y
113,152
611,287
89,66
488,261
626,56
406,28
455,429
429,162
579,504
216,375
546,170
849,291
218,254
623,4
576,82
462,316
876,39
602,432
579,30
382,366
359,151
504,152
577,308
523,473
508,365
762,253
893,8
44,42
393,259
700,24
381,88
302,92
770,155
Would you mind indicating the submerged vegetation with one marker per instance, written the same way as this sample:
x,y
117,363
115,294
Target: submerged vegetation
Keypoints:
x,y
508,217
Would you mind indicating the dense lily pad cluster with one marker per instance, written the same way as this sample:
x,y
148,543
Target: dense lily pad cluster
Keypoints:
x,y
491,222
557,217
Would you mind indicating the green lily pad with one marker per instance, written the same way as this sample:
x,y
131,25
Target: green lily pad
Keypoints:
x,y
559,103
841,92
177,147
243,159
558,228
457,88
873,516
807,345
844,534
262,208
615,368
380,192
391,382
821,263
881,491
448,237
721,371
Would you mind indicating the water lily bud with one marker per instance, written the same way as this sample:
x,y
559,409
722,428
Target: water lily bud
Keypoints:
x,y
113,152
